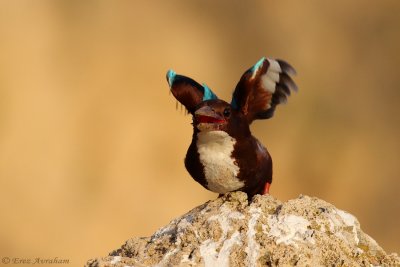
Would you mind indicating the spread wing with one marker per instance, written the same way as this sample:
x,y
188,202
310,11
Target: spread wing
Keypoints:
x,y
262,87
187,91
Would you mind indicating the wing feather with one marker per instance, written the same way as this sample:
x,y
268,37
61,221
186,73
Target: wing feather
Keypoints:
x,y
187,91
262,87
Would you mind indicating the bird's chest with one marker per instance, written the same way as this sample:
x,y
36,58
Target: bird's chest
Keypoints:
x,y
220,168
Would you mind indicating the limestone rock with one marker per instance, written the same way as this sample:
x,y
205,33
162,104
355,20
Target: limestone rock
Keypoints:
x,y
231,231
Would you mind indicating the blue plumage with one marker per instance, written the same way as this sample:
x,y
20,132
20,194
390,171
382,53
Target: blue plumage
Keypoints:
x,y
208,94
257,65
171,77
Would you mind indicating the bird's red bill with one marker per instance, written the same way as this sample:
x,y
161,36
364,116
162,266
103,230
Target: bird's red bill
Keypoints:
x,y
208,119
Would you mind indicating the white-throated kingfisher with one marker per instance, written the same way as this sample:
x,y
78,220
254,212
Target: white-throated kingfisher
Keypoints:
x,y
224,156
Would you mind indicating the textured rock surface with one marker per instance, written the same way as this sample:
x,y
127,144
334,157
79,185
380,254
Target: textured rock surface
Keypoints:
x,y
230,231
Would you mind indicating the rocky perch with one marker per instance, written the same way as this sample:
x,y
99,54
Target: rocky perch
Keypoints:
x,y
230,231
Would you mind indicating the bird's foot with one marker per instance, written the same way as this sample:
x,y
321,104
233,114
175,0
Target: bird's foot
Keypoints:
x,y
266,188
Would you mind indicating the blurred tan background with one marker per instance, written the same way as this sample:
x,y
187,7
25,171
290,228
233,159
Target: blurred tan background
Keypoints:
x,y
92,148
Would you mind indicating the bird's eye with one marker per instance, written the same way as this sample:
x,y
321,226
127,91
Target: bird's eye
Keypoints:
x,y
227,112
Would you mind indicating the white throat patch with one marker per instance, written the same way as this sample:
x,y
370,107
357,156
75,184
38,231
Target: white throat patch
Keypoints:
x,y
215,149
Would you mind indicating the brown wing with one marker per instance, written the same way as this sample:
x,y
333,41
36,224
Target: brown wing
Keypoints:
x,y
187,91
262,87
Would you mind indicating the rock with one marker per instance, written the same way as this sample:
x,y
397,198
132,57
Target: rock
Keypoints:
x,y
230,231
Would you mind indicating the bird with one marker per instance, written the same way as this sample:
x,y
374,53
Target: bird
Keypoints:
x,y
223,155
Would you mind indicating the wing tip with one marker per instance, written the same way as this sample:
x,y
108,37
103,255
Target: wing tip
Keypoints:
x,y
286,67
287,81
171,74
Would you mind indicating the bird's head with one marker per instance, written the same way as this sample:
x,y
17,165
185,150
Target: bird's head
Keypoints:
x,y
259,90
218,115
